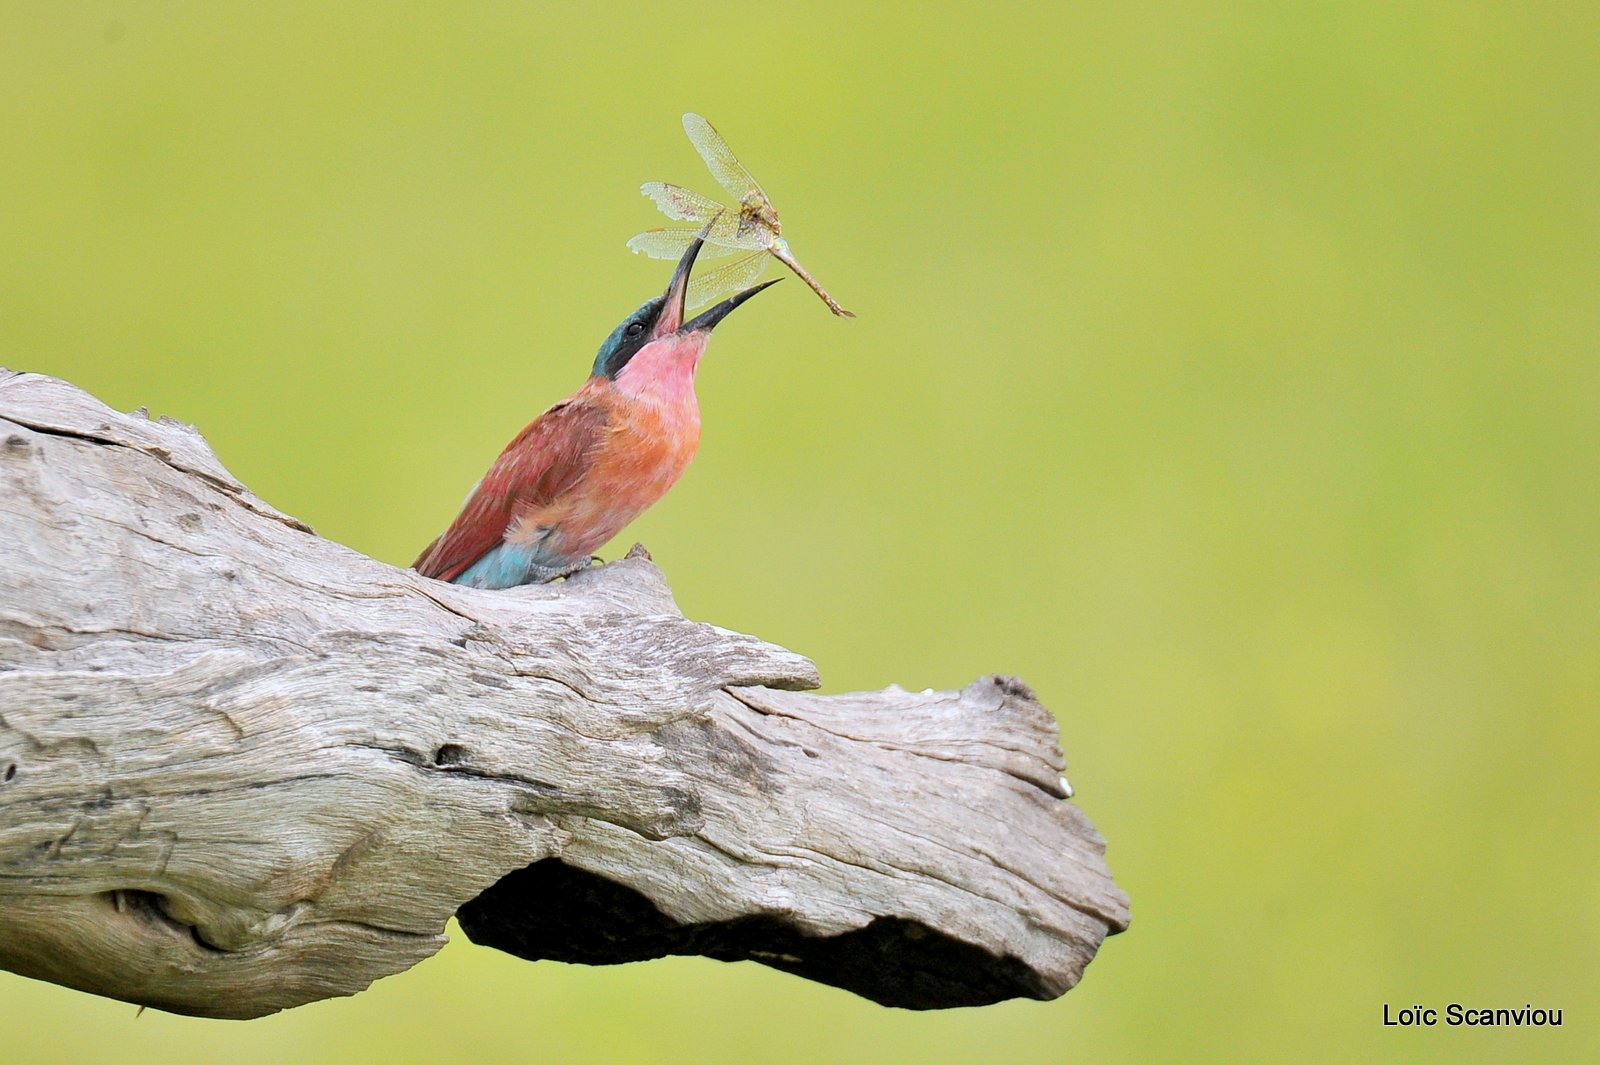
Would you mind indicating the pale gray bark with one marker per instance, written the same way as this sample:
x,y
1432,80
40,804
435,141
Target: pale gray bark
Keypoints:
x,y
243,768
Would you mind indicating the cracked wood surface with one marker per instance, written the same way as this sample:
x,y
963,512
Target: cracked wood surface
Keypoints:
x,y
244,768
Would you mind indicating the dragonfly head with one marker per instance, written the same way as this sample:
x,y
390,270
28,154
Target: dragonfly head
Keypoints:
x,y
659,323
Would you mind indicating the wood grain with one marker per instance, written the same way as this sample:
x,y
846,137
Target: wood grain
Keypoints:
x,y
244,768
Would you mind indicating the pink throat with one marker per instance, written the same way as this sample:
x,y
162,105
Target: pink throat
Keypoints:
x,y
664,369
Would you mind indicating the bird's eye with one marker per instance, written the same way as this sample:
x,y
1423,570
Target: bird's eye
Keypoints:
x,y
634,328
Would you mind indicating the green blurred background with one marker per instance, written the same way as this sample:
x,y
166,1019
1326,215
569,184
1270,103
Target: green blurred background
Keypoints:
x,y
1231,373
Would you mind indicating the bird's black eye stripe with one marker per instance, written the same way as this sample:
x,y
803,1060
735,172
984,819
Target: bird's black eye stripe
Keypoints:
x,y
627,338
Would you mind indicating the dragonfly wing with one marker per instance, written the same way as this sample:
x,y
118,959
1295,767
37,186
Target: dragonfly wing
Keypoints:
x,y
729,277
725,228
686,205
720,160
672,243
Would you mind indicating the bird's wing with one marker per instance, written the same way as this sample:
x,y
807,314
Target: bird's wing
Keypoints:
x,y
547,458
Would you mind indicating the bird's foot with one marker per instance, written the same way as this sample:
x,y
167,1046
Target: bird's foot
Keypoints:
x,y
574,568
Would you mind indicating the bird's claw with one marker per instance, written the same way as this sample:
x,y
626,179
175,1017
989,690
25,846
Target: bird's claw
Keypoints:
x,y
575,568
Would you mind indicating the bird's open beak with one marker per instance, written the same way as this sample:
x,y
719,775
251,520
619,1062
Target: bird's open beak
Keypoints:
x,y
675,305
673,308
707,320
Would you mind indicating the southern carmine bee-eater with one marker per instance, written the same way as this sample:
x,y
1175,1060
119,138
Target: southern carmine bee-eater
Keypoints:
x,y
592,463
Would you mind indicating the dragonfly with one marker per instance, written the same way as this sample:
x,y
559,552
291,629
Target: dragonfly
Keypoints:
x,y
753,229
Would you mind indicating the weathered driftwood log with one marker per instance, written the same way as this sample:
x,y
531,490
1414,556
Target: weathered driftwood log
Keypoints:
x,y
244,768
